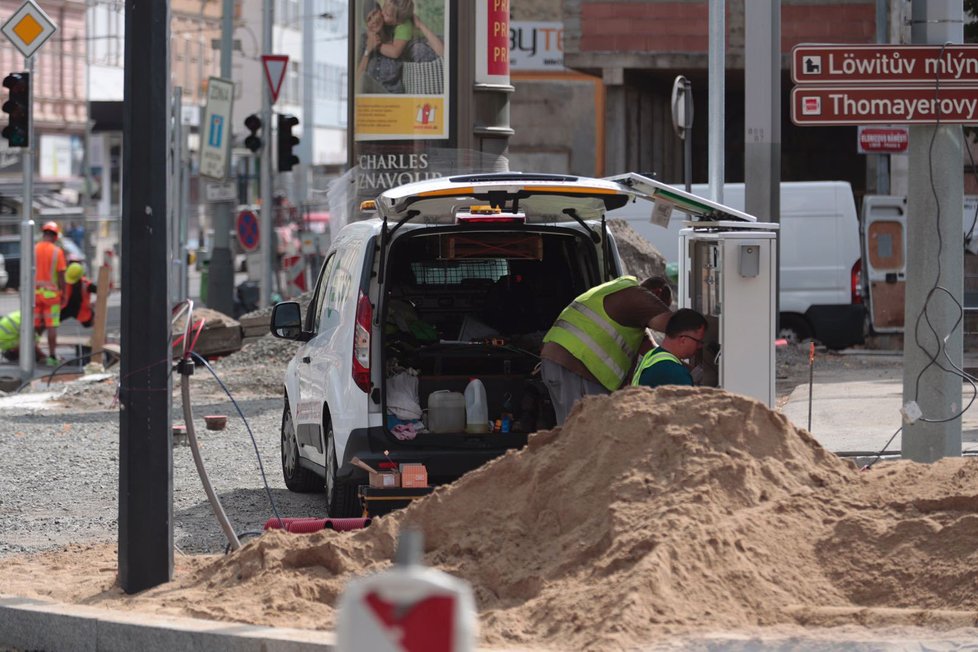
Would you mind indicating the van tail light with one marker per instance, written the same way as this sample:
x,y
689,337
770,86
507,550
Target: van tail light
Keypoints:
x,y
856,282
361,344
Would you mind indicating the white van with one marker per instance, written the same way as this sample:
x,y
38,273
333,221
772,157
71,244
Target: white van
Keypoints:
x,y
452,279
820,286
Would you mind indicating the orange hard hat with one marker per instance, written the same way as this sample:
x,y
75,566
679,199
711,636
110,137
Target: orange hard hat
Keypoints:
x,y
53,227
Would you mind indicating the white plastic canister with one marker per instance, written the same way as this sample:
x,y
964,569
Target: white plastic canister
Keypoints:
x,y
476,407
446,411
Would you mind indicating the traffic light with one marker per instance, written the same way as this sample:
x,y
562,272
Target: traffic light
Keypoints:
x,y
253,124
17,131
286,141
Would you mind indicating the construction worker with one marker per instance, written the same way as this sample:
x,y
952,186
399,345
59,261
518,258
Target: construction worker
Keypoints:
x,y
10,338
49,283
77,300
594,343
663,365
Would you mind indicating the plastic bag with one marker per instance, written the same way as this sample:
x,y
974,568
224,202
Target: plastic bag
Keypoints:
x,y
402,395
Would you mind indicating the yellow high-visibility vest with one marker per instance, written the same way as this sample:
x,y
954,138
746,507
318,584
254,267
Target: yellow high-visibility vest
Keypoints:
x,y
604,346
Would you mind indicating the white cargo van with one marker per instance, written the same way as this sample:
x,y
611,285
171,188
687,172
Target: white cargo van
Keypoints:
x,y
820,286
453,279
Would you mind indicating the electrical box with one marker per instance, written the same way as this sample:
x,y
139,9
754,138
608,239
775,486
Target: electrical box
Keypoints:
x,y
727,273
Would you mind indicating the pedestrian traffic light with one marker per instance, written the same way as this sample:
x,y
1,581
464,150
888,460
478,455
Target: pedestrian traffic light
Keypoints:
x,y
286,141
253,124
17,131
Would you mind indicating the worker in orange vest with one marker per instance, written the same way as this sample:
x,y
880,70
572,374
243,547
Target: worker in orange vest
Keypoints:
x,y
49,283
77,300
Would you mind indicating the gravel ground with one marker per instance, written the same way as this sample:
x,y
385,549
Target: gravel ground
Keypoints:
x,y
59,465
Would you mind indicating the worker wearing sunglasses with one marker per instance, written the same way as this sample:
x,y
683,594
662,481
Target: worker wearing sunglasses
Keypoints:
x,y
663,365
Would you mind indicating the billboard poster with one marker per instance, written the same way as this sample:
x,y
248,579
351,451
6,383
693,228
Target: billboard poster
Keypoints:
x,y
401,83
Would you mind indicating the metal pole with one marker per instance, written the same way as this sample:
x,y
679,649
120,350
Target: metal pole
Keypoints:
x,y
762,118
27,241
882,160
265,240
175,209
303,172
145,385
935,263
220,279
688,135
183,211
716,98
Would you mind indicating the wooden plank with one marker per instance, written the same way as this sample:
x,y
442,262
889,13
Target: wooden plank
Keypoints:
x,y
97,341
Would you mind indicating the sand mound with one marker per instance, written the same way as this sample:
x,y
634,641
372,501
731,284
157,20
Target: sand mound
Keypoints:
x,y
650,512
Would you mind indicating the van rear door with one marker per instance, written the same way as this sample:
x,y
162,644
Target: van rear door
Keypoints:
x,y
885,260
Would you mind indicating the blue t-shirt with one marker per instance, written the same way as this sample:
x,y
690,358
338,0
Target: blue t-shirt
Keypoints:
x,y
665,372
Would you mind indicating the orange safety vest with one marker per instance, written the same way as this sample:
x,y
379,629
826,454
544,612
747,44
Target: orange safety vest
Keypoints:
x,y
49,259
84,312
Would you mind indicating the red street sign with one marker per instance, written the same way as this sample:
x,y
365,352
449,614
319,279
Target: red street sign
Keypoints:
x,y
884,64
883,140
828,105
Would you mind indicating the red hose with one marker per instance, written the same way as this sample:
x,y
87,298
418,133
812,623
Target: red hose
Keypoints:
x,y
312,524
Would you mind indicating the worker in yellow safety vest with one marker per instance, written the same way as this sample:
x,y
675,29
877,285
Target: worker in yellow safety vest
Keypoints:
x,y
10,338
663,365
596,340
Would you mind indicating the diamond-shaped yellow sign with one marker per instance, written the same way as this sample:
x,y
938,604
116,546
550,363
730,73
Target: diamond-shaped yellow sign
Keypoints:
x,y
28,28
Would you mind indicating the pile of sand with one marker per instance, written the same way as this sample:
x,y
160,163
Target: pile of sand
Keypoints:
x,y
650,512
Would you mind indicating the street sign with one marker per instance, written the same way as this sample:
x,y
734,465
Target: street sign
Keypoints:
x,y
294,268
223,191
884,64
274,72
883,140
215,134
246,226
29,28
846,105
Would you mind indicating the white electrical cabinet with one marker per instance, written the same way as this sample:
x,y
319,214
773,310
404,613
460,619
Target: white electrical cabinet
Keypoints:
x,y
728,272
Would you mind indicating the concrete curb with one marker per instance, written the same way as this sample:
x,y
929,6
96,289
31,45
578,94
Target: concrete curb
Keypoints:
x,y
31,624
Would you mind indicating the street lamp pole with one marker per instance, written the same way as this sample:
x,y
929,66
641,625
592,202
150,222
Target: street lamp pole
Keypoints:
x,y
267,210
27,245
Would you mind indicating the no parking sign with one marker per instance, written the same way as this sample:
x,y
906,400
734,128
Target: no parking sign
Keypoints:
x,y
246,226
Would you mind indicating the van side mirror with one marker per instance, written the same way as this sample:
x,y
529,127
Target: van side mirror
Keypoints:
x,y
287,321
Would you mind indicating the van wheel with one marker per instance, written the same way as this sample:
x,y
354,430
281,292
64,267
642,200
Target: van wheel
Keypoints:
x,y
795,329
341,497
297,479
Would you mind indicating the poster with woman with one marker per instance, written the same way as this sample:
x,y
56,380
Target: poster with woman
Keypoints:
x,y
401,71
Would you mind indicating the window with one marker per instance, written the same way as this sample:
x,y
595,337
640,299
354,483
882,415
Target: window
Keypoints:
x,y
437,272
316,309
